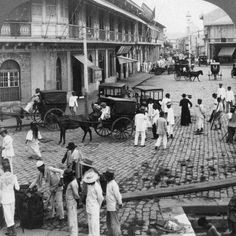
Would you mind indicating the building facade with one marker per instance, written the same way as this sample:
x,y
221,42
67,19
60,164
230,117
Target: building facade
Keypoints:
x,y
42,45
220,36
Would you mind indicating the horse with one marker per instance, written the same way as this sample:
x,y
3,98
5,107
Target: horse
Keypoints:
x,y
195,74
75,122
17,113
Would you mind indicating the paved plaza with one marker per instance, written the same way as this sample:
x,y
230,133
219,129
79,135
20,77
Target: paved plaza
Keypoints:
x,y
188,158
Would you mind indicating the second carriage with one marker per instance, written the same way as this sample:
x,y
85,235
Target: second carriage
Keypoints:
x,y
52,105
215,71
120,125
181,70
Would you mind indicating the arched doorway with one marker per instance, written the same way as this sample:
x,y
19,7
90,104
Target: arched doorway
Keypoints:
x,y
9,81
58,75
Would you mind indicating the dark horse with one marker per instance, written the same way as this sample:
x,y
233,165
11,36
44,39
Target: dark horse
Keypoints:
x,y
195,74
75,122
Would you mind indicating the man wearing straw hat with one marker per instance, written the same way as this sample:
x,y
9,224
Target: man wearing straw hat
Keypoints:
x,y
7,147
113,197
94,201
52,176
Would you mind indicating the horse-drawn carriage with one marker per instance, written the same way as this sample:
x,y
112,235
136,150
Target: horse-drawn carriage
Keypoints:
x,y
118,90
181,69
215,71
145,93
52,104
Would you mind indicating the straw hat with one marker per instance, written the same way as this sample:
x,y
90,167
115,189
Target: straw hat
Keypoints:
x,y
71,145
110,170
90,177
2,130
39,164
86,162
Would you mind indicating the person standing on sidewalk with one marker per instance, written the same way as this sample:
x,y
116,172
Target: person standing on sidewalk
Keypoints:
x,y
52,177
32,139
73,103
72,197
161,131
170,120
8,183
7,147
140,126
94,201
229,98
113,197
200,115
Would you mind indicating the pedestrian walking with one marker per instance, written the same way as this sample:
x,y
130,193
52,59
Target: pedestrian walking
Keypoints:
x,y
94,201
210,228
231,125
72,196
7,147
164,102
8,185
32,140
140,127
214,107
161,131
73,103
185,112
72,158
170,120
218,114
113,198
229,98
221,93
52,177
155,116
200,115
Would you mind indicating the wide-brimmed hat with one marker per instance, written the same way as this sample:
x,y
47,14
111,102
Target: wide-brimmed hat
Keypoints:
x,y
168,104
39,164
110,170
68,173
2,130
71,145
86,162
184,95
90,177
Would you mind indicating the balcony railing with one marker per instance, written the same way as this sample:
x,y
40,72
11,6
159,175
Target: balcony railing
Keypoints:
x,y
68,31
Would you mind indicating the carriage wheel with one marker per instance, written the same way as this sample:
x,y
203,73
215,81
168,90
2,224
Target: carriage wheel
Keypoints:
x,y
122,128
103,129
37,117
50,118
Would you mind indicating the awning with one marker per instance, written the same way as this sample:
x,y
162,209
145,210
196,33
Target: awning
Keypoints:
x,y
81,58
124,50
123,60
226,52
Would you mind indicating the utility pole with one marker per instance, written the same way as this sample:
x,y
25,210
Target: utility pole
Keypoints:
x,y
188,16
85,73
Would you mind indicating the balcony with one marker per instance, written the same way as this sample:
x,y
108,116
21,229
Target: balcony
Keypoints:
x,y
39,30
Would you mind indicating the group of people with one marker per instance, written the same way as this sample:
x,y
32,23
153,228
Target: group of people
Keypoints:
x,y
160,117
81,183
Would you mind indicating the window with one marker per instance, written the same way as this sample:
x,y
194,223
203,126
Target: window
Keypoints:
x,y
101,20
120,25
88,17
51,10
9,81
112,23
111,68
58,75
90,71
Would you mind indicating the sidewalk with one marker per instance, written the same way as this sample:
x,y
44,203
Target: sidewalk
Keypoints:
x,y
131,81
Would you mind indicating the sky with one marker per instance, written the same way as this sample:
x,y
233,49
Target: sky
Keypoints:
x,y
172,14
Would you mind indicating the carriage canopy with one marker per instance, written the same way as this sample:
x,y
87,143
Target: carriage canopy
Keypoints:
x,y
53,97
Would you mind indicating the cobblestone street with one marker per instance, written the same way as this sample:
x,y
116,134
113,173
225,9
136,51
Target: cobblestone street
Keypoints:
x,y
188,158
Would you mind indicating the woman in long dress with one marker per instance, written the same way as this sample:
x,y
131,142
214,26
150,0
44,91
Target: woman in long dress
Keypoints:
x,y
32,140
185,112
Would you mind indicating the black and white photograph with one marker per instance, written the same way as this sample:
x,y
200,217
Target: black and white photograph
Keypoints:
x,y
117,118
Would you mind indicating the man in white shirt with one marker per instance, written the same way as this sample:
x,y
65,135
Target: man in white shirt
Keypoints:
x,y
7,147
200,115
113,197
8,183
221,93
214,107
229,98
165,100
140,126
170,120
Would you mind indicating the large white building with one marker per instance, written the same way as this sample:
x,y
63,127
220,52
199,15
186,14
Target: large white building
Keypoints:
x,y
42,44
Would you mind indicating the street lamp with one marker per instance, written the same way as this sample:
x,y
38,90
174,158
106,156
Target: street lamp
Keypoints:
x,y
85,72
188,16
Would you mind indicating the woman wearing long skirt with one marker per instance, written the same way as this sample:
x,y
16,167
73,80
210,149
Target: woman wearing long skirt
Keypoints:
x,y
185,112
32,140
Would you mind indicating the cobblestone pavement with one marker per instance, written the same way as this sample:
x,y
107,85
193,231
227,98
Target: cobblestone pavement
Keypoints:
x,y
189,158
